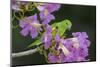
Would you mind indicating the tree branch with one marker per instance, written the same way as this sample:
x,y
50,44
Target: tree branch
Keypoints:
x,y
24,53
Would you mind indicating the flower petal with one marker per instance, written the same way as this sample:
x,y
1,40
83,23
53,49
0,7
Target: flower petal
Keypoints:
x,y
33,33
22,23
25,31
57,38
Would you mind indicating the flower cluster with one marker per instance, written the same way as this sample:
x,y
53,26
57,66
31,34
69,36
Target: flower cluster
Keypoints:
x,y
59,49
33,25
71,49
30,25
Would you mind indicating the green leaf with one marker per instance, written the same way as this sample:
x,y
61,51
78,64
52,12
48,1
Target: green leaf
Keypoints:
x,y
36,42
62,26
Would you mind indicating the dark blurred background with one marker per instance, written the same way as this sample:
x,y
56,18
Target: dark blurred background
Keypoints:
x,y
83,19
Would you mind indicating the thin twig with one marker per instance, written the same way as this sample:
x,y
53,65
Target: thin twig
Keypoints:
x,y
24,53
